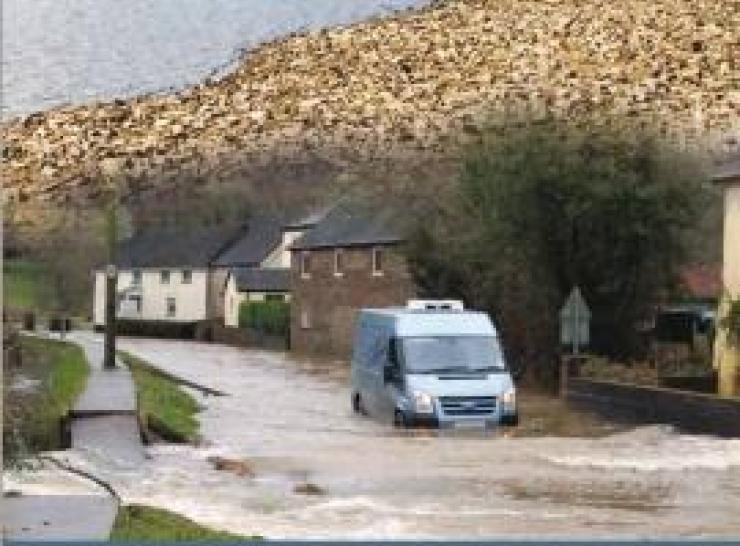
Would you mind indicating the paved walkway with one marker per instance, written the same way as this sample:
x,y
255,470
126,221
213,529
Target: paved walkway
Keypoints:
x,y
104,418
103,422
59,517
107,391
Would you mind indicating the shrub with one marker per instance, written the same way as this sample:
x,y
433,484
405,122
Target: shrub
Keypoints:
x,y
269,317
731,321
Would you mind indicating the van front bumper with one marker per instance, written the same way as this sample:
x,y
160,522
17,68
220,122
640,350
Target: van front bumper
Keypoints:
x,y
422,420
443,421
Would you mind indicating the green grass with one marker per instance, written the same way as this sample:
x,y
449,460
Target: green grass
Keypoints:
x,y
164,407
31,417
25,285
143,523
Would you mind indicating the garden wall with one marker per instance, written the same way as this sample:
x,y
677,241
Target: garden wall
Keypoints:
x,y
248,337
690,411
162,329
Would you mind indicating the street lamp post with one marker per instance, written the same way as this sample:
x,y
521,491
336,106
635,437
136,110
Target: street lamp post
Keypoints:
x,y
111,282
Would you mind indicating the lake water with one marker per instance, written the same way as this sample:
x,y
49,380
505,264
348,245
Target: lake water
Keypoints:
x,y
71,51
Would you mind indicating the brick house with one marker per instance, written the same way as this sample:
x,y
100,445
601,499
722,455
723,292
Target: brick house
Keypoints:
x,y
349,260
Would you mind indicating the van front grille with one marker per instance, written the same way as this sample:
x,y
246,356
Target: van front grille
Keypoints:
x,y
468,405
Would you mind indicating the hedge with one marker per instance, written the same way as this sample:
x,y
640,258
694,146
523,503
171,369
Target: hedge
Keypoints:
x,y
269,317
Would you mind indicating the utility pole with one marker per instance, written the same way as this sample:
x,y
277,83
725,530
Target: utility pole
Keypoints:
x,y
111,287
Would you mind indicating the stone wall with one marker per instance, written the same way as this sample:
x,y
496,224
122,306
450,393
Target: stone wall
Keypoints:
x,y
249,338
162,329
331,302
689,411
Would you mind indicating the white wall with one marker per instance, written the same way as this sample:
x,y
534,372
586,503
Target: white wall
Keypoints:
x,y
731,251
190,298
280,257
232,300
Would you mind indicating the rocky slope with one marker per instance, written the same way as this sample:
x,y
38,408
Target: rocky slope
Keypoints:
x,y
404,84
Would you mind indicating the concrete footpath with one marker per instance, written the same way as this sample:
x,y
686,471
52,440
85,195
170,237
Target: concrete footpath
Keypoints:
x,y
104,420
55,505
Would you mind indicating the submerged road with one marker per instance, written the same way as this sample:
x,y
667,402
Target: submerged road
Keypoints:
x,y
289,423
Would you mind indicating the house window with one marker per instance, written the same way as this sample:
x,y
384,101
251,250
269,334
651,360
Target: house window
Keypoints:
x,y
377,262
274,297
171,307
187,276
164,276
137,302
136,277
305,319
338,263
305,265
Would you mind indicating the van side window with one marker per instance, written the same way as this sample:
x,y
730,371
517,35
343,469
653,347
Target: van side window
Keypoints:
x,y
393,351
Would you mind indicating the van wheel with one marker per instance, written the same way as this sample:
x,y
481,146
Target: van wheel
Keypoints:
x,y
400,420
357,404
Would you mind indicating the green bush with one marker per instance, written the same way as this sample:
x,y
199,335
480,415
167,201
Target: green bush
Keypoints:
x,y
731,321
269,317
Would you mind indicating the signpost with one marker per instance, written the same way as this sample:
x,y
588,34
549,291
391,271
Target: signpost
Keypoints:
x,y
575,320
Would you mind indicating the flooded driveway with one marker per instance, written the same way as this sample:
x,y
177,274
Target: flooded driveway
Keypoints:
x,y
289,424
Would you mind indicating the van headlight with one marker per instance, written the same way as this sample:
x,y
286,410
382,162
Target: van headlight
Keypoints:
x,y
509,399
423,402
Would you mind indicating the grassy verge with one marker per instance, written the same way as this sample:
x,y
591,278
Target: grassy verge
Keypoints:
x,y
164,407
55,373
143,523
24,285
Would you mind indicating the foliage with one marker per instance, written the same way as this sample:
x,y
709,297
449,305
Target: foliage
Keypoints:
x,y
25,285
731,321
639,373
66,246
143,523
31,417
540,207
163,405
270,317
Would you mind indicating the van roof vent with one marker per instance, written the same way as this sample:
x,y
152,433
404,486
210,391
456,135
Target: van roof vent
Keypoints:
x,y
436,305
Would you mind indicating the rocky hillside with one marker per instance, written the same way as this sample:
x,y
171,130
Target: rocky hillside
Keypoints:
x,y
404,84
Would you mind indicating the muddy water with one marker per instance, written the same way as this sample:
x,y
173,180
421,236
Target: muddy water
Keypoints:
x,y
71,51
289,422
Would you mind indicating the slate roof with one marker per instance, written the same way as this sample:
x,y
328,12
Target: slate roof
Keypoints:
x,y
196,247
262,236
258,279
310,219
353,224
727,171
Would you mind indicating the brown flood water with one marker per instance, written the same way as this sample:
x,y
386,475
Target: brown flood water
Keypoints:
x,y
284,457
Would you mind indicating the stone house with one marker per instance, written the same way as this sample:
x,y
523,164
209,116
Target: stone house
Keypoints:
x,y
727,353
348,260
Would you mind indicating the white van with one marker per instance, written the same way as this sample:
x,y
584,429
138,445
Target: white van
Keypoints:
x,y
431,363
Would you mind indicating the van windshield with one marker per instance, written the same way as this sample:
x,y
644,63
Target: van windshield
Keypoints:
x,y
451,354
